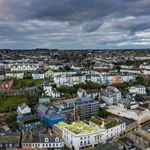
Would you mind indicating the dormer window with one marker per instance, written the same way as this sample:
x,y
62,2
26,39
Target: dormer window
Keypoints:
x,y
46,140
57,139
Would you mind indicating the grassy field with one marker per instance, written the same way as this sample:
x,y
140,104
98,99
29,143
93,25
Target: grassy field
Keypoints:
x,y
13,101
23,83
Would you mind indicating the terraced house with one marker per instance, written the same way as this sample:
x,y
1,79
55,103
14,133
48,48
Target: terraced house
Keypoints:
x,y
38,140
24,67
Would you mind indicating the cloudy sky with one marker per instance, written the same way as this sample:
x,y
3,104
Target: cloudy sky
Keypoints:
x,y
74,24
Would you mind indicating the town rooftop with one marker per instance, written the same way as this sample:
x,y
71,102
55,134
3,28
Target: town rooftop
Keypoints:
x,y
78,127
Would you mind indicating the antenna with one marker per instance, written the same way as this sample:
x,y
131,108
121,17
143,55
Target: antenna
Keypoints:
x,y
74,113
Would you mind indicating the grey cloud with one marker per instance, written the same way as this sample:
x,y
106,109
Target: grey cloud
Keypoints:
x,y
63,10
92,26
74,22
131,24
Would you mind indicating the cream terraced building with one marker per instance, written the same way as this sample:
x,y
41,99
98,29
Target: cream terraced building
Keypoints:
x,y
24,67
14,75
79,134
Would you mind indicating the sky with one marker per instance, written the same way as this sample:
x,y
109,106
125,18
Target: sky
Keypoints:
x,y
75,24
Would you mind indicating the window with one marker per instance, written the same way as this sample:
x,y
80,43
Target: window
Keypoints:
x,y
100,137
97,137
81,143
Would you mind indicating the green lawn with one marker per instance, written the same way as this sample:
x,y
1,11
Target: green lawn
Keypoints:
x,y
22,83
13,101
80,128
10,103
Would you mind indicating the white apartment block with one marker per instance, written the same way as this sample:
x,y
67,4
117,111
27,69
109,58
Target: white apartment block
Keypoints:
x,y
69,80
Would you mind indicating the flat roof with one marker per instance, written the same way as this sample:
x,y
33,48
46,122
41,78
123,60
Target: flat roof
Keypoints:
x,y
127,121
78,127
109,146
10,138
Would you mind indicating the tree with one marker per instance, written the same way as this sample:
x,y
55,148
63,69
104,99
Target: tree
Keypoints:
x,y
103,113
89,148
67,68
118,69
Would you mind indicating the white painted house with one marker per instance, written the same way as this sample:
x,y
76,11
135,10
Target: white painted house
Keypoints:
x,y
23,109
111,95
50,91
